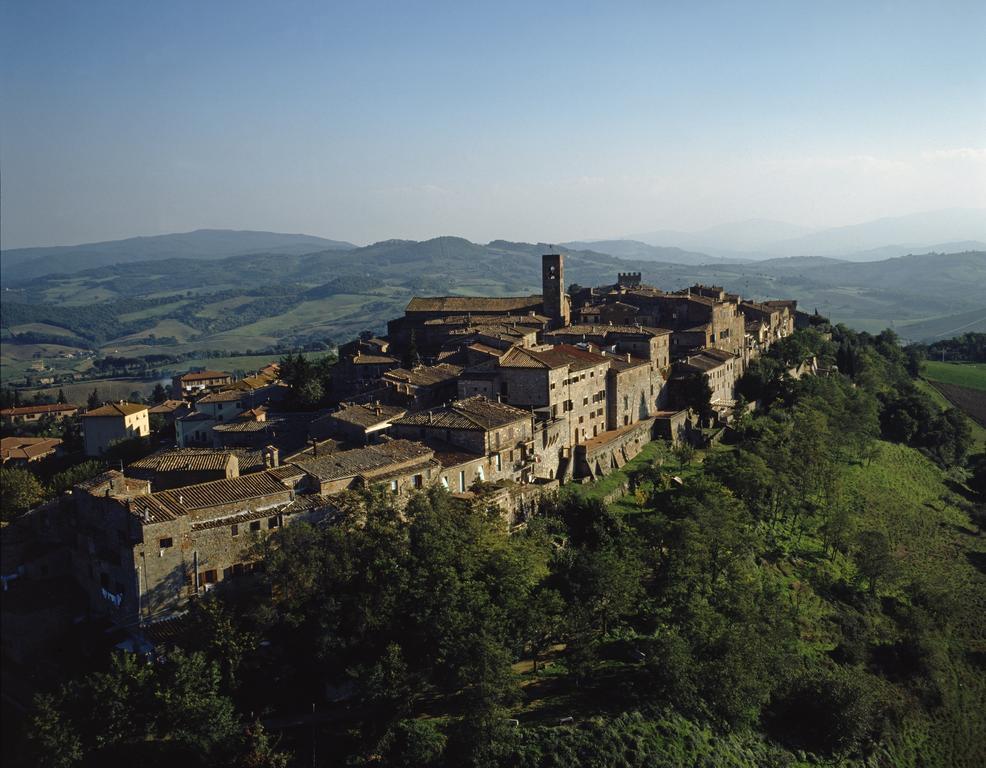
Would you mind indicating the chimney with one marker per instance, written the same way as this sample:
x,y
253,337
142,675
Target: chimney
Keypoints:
x,y
628,357
314,447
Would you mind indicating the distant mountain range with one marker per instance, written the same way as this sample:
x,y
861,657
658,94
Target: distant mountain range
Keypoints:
x,y
947,231
24,263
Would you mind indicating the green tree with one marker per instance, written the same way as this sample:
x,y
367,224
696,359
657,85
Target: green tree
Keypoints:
x,y
93,400
19,491
159,395
260,751
61,396
873,558
53,741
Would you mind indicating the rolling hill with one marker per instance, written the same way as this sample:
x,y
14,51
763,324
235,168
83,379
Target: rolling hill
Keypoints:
x,y
254,301
25,263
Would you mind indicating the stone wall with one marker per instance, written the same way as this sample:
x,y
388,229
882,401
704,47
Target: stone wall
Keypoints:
x,y
613,450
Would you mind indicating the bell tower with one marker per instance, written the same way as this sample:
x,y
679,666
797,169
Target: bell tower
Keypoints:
x,y
556,302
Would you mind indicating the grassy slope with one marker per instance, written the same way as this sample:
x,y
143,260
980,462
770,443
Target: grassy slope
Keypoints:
x,y
906,496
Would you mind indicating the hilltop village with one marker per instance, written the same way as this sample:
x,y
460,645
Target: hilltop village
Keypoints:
x,y
496,400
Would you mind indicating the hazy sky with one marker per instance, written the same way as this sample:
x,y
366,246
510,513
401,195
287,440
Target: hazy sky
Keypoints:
x,y
530,121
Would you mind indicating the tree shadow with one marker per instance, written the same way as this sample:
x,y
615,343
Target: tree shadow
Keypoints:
x,y
977,560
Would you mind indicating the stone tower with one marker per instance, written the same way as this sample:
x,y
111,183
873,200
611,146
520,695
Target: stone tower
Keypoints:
x,y
556,302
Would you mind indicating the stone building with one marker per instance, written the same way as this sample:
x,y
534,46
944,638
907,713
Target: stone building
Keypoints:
x,y
424,386
397,466
721,369
494,439
111,423
145,554
426,319
359,424
184,466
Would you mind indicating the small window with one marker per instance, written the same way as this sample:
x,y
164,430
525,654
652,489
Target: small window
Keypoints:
x,y
273,522
255,526
227,573
166,543
419,481
499,463
209,577
393,486
462,481
234,529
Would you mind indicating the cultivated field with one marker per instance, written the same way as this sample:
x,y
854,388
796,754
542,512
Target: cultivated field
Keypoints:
x,y
971,375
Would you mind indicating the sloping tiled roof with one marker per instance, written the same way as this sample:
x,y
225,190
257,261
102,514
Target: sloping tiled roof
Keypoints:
x,y
122,408
556,357
336,466
247,426
204,375
367,415
27,448
478,304
361,358
184,460
602,330
472,413
424,375
226,396
171,504
30,410
168,406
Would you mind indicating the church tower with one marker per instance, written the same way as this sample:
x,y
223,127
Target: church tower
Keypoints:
x,y
556,302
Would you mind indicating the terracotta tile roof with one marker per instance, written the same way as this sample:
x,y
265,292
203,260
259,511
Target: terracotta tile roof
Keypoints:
x,y
122,408
286,472
706,360
361,358
366,415
101,483
472,413
30,410
184,460
424,375
477,304
168,406
557,356
225,396
247,426
602,330
372,458
196,416
27,448
198,499
204,375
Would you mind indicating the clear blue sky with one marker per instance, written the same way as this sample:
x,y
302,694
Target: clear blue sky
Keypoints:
x,y
538,121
